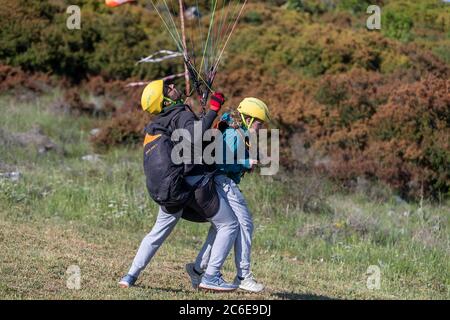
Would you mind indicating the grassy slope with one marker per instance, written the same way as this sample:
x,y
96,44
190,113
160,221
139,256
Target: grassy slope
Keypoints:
x,y
64,211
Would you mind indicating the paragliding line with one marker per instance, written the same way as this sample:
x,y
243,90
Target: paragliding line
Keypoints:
x,y
183,33
229,36
209,33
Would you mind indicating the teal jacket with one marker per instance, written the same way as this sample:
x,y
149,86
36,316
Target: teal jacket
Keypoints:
x,y
233,140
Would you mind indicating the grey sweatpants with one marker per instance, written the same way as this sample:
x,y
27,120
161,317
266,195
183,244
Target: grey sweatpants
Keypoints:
x,y
228,189
224,223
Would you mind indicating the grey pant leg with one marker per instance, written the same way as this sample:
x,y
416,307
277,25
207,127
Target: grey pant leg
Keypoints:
x,y
201,262
226,226
150,244
243,244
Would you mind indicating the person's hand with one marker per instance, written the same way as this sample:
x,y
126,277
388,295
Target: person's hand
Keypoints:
x,y
216,102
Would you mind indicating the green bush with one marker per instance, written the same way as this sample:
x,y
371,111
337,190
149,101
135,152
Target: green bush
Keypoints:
x,y
355,6
35,37
426,14
253,17
443,52
397,25
310,6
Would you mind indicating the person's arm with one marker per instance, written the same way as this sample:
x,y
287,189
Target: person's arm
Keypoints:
x,y
189,121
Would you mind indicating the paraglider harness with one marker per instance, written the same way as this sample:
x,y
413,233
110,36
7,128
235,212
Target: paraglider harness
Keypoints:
x,y
166,182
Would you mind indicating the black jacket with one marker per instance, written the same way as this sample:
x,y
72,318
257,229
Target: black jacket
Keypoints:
x,y
180,116
205,202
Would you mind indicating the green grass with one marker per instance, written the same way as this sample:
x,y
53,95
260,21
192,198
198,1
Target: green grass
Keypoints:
x,y
64,211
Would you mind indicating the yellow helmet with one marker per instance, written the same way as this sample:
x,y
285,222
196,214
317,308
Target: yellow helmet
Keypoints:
x,y
254,108
153,96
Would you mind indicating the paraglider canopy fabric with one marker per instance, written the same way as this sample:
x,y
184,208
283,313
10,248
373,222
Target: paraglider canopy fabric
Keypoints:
x,y
116,3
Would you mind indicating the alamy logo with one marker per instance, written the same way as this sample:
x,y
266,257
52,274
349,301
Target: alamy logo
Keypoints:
x,y
73,22
246,148
374,278
374,21
74,277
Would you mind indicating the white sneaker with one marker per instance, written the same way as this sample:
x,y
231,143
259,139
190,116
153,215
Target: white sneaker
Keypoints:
x,y
195,277
249,284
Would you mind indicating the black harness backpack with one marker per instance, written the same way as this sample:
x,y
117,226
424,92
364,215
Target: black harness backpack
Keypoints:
x,y
164,179
166,182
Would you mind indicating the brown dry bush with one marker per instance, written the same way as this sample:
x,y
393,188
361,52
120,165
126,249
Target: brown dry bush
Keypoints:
x,y
125,128
405,142
14,80
423,61
341,124
98,97
75,104
126,124
114,89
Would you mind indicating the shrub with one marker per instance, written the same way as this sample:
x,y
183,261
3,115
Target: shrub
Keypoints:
x,y
253,17
398,25
15,80
126,128
355,6
35,37
310,6
403,141
443,52
126,124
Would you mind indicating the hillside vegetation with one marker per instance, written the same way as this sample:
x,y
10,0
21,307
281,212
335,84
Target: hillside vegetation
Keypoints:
x,y
364,118
354,103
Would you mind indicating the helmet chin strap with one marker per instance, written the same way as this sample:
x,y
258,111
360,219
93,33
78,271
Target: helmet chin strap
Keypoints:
x,y
248,125
251,122
168,99
172,101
